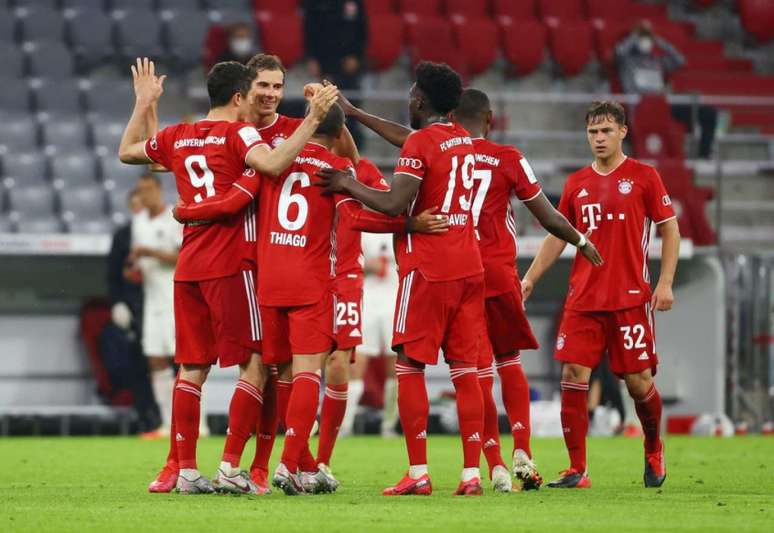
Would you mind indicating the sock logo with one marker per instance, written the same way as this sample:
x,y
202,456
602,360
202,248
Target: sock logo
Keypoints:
x,y
475,437
566,430
290,432
517,426
228,431
179,438
490,443
422,434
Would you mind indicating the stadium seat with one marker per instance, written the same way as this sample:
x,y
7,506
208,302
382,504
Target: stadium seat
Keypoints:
x,y
139,34
242,5
524,44
94,226
467,8
38,226
32,202
117,200
90,37
385,41
123,176
65,135
379,7
107,134
478,39
180,5
432,40
42,24
608,9
110,97
655,134
15,95
12,60
607,34
571,45
7,26
757,18
74,169
510,11
50,4
185,34
283,35
553,11
689,200
59,97
6,226
98,5
19,133
429,8
49,59
82,202
131,5
276,7
26,168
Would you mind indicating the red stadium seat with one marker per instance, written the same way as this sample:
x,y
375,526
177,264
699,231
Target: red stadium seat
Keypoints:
x,y
689,201
283,35
607,34
379,7
552,11
571,44
648,11
276,7
433,41
468,8
385,40
608,9
655,134
420,7
757,18
478,39
509,11
524,44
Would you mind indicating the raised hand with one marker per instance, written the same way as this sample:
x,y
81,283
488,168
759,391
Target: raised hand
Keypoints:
x,y
148,87
310,89
322,101
427,222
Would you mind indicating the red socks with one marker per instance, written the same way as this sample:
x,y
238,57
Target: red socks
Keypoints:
x,y
172,455
333,408
649,411
187,411
491,446
470,412
266,429
301,412
284,388
515,389
243,415
575,422
413,410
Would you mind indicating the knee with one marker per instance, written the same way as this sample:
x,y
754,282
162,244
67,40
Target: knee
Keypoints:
x,y
638,385
337,368
575,373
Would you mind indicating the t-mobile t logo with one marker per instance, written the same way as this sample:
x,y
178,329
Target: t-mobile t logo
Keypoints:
x,y
592,213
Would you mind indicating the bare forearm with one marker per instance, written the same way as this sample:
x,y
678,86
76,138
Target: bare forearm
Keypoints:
x,y
549,252
134,134
552,220
345,147
273,162
387,202
169,258
670,251
392,132
364,220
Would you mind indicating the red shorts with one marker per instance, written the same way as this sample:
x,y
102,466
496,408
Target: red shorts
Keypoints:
x,y
300,330
628,335
217,320
507,324
434,315
348,303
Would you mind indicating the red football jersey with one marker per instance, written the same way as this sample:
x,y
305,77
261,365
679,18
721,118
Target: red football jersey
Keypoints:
x,y
279,130
440,156
501,172
297,241
349,252
618,208
207,157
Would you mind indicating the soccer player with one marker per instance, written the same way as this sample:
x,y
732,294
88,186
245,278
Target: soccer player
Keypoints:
x,y
215,311
156,239
441,295
609,309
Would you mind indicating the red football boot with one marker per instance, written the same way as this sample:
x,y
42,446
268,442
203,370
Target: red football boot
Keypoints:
x,y
655,471
261,479
571,479
471,487
411,487
166,480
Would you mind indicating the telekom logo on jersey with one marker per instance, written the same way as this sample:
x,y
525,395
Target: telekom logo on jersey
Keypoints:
x,y
592,215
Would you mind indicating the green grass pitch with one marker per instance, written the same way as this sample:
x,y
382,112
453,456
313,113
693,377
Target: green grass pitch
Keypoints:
x,y
99,484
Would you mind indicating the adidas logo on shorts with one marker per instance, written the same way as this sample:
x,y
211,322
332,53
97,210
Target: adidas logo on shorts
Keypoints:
x,y
643,356
179,438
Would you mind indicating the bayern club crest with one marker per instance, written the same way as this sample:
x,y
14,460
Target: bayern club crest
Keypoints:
x,y
560,341
625,186
276,141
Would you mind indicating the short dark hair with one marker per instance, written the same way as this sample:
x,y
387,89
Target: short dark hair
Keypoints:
x,y
606,108
440,84
150,177
474,104
333,122
226,79
261,62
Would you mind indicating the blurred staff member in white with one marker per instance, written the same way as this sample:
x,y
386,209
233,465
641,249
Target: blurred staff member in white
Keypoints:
x,y
156,241
379,289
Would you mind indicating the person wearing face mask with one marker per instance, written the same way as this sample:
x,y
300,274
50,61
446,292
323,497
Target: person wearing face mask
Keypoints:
x,y
241,44
643,71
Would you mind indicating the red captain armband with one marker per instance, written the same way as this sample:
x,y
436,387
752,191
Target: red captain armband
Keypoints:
x,y
360,219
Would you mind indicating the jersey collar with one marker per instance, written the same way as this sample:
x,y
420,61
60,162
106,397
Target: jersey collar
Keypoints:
x,y
273,122
594,168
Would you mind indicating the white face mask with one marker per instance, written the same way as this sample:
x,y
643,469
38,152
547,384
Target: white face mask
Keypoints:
x,y
645,45
241,46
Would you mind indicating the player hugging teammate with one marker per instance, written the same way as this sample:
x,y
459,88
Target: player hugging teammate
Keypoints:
x,y
259,285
